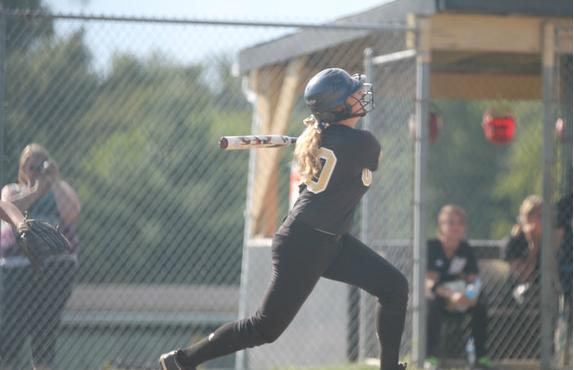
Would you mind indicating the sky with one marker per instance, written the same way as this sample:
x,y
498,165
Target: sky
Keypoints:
x,y
106,40
285,10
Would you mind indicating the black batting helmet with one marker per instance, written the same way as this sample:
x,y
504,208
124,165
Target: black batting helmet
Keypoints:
x,y
327,92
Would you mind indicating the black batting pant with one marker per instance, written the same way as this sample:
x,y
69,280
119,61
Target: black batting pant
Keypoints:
x,y
437,310
300,256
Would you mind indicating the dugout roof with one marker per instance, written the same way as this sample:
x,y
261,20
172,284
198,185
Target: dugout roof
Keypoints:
x,y
445,13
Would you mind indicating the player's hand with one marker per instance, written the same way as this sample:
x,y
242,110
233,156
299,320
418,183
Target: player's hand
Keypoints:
x,y
48,175
42,184
51,171
460,301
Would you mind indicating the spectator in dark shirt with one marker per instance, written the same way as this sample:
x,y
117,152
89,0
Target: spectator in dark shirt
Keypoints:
x,y
564,228
453,284
523,254
523,248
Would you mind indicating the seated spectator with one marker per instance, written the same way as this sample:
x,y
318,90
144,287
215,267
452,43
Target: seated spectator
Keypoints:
x,y
564,231
453,284
522,252
564,228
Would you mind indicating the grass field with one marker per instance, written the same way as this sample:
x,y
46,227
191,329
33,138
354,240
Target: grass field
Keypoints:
x,y
342,367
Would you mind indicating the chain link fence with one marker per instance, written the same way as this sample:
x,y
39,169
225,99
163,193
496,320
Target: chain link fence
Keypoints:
x,y
162,254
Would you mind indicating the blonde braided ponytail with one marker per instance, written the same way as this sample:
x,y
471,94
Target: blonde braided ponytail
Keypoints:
x,y
307,148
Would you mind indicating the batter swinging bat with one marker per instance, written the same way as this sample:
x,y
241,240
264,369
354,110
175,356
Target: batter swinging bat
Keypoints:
x,y
255,141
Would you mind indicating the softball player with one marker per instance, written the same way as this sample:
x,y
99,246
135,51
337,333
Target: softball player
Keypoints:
x,y
336,161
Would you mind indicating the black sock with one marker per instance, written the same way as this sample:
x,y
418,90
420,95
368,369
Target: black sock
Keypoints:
x,y
390,327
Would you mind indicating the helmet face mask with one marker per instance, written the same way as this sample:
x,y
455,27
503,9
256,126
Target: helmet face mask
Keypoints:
x,y
367,98
328,92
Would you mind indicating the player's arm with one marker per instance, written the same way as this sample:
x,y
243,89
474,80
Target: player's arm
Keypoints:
x,y
368,150
432,277
10,213
471,270
430,282
434,288
444,291
522,265
22,196
68,202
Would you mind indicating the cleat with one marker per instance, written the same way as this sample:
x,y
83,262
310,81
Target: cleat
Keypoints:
x,y
431,363
484,363
167,361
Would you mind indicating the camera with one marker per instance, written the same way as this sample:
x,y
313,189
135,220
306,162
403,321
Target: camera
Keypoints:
x,y
41,167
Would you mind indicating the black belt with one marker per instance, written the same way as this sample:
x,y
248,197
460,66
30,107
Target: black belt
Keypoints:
x,y
337,237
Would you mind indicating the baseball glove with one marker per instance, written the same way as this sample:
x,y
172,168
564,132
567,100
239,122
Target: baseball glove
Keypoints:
x,y
40,240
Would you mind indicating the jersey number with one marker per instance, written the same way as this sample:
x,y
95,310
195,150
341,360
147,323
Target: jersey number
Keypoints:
x,y
320,183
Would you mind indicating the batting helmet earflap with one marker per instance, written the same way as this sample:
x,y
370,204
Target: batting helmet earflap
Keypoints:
x,y
326,94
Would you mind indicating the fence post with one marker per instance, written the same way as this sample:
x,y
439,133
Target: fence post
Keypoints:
x,y
421,158
548,262
364,308
241,358
2,85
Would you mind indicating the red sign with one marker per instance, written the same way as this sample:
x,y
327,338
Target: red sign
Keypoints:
x,y
498,129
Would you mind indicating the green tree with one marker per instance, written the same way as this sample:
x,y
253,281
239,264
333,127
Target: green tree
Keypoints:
x,y
22,33
156,163
227,87
522,171
49,88
488,180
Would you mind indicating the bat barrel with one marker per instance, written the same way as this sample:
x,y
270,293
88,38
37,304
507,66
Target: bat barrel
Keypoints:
x,y
223,142
255,141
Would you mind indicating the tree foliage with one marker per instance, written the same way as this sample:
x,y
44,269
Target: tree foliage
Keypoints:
x,y
488,180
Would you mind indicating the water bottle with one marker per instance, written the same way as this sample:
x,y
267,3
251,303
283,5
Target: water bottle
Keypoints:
x,y
470,352
473,289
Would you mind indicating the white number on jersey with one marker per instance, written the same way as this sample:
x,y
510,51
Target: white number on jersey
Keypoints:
x,y
319,184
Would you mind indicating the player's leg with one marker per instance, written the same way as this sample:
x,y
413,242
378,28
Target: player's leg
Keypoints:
x,y
299,257
54,290
479,325
16,304
359,265
435,313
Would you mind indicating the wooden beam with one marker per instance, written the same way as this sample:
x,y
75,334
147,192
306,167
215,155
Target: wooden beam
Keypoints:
x,y
265,190
565,38
492,33
265,83
485,86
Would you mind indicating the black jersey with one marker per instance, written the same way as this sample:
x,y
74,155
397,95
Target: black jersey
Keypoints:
x,y
462,264
328,202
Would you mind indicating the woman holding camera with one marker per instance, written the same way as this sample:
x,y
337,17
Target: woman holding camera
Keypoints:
x,y
32,301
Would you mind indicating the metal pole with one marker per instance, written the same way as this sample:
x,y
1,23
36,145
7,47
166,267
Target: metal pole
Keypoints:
x,y
419,232
548,262
564,65
366,309
241,358
2,103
